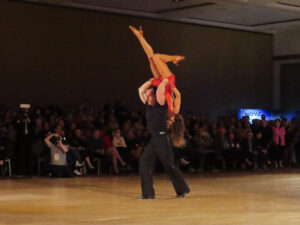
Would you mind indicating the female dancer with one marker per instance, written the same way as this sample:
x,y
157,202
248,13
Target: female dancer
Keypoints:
x,y
159,67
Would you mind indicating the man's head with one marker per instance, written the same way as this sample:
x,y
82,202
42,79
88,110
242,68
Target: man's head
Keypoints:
x,y
59,130
150,96
78,133
258,135
97,134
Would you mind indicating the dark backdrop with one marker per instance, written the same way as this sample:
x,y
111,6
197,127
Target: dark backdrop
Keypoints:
x,y
290,81
70,56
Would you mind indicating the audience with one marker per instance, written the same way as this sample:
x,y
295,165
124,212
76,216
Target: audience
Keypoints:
x,y
117,136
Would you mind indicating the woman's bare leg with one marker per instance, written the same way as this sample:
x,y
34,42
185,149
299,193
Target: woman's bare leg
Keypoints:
x,y
161,66
87,159
119,157
114,159
114,151
158,62
171,58
155,72
147,48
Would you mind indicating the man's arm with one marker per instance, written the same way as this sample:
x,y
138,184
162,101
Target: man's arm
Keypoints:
x,y
47,139
160,93
143,89
63,147
177,102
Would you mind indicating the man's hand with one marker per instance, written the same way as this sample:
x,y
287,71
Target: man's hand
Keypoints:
x,y
142,90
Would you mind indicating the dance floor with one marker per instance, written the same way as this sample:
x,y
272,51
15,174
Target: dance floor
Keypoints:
x,y
216,198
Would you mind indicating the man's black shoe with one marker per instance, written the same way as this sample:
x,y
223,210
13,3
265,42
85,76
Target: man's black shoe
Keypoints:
x,y
180,195
146,197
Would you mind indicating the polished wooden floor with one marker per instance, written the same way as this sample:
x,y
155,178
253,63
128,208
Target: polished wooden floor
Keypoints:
x,y
226,198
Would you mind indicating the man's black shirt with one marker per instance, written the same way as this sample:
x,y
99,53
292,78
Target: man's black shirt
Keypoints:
x,y
156,117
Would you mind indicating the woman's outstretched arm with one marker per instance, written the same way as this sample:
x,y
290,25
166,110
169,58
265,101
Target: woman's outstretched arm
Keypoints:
x,y
177,102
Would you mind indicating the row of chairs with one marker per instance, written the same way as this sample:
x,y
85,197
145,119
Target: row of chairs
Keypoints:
x,y
44,160
7,164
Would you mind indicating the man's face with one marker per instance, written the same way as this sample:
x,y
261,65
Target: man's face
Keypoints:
x,y
78,133
96,134
150,96
59,131
259,135
250,135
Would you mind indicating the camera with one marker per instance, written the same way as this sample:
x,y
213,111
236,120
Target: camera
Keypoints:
x,y
54,140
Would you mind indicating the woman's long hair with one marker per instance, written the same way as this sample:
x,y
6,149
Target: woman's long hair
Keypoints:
x,y
176,131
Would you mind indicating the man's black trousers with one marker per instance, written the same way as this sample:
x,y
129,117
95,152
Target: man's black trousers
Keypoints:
x,y
160,146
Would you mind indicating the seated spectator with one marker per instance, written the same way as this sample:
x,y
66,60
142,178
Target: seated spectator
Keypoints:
x,y
134,148
203,146
120,144
249,153
95,145
113,152
220,144
232,152
101,146
184,155
238,131
261,149
58,153
78,148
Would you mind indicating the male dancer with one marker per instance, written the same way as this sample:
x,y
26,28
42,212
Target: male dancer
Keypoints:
x,y
160,144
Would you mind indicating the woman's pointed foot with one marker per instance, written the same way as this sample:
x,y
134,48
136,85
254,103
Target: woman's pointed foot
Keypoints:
x,y
178,59
141,31
136,31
